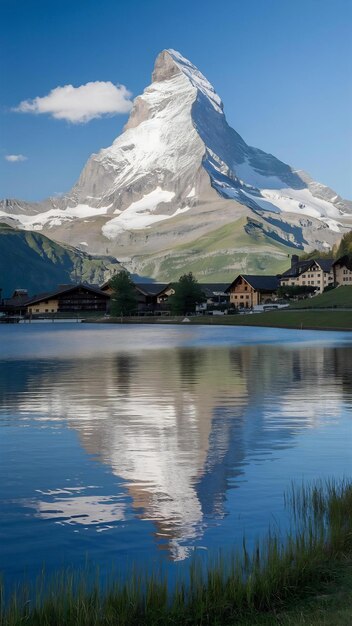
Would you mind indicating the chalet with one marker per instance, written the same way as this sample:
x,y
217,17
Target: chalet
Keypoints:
x,y
69,299
16,305
316,273
153,296
150,296
247,291
215,296
215,293
342,269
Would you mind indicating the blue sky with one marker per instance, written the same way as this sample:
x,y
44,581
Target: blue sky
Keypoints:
x,y
282,68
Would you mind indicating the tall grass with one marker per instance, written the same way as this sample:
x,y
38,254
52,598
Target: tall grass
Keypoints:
x,y
278,570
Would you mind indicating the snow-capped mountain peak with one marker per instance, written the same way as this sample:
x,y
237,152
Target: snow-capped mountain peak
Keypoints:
x,y
196,78
179,172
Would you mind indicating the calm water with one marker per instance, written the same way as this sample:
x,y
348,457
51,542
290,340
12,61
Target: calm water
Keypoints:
x,y
141,444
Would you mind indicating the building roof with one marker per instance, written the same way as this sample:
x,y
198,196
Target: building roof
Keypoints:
x,y
302,266
213,289
259,283
325,264
147,289
18,301
151,289
62,290
345,261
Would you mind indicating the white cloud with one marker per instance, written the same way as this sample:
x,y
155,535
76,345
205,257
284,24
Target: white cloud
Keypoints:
x,y
15,158
81,104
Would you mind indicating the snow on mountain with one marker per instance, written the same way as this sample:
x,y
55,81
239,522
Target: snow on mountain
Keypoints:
x,y
179,172
139,215
56,217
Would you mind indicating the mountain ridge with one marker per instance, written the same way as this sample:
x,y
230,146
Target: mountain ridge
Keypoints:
x,y
32,261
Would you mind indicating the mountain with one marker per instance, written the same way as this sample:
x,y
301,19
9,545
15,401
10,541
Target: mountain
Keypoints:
x,y
180,190
32,261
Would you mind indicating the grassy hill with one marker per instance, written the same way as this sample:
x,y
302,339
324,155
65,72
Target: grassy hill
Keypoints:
x,y
32,261
221,255
341,297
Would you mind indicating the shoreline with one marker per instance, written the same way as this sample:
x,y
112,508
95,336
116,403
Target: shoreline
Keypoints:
x,y
308,320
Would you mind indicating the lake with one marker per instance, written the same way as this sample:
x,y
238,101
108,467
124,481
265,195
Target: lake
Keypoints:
x,y
142,445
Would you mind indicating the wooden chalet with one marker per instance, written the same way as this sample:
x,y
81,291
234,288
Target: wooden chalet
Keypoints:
x,y
215,296
69,299
215,293
153,296
150,296
16,305
247,291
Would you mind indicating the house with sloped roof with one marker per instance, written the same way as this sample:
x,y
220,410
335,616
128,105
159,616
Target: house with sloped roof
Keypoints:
x,y
69,299
16,305
317,273
215,296
215,292
153,296
247,291
342,269
150,296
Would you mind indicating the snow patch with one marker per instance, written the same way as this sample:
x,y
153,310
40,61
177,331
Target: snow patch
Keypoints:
x,y
140,214
333,225
56,217
192,193
301,202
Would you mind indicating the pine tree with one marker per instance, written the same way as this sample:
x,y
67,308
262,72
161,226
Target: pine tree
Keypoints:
x,y
345,246
188,293
123,297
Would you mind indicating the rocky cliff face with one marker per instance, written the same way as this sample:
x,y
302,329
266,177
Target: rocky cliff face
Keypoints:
x,y
179,189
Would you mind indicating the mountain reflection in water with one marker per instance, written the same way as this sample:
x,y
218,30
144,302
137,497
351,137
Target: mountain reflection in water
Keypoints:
x,y
177,426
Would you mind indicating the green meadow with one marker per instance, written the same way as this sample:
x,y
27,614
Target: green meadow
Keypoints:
x,y
341,297
301,319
